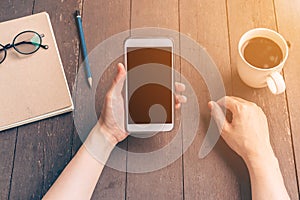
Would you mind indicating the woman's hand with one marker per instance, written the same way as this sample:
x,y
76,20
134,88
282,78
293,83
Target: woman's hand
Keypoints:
x,y
112,118
248,133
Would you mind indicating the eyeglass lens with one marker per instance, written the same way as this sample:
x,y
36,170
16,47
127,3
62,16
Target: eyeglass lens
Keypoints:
x,y
27,42
2,53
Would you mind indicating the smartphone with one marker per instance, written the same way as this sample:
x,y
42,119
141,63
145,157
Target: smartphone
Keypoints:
x,y
149,84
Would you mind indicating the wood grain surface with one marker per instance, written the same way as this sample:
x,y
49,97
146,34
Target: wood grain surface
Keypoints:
x,y
217,173
165,183
44,148
107,19
32,156
288,15
8,139
241,20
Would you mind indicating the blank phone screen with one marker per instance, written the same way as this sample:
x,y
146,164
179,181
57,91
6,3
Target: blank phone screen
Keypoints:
x,y
144,64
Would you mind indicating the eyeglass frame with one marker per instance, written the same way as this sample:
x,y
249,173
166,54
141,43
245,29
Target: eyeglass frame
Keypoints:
x,y
13,45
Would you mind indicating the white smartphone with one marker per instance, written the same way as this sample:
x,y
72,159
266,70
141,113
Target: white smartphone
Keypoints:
x,y
149,84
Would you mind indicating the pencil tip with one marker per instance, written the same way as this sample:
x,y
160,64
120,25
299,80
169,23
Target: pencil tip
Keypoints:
x,y
77,13
90,80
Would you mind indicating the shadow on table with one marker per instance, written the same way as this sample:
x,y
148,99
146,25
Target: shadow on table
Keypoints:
x,y
238,166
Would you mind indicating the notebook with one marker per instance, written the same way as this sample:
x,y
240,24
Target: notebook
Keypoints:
x,y
32,87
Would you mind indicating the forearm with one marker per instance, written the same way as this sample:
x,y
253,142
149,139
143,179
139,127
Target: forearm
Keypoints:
x,y
79,178
266,179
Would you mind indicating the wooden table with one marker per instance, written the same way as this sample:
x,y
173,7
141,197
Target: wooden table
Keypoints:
x,y
33,156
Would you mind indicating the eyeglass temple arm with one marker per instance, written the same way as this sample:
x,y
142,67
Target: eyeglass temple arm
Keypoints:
x,y
8,46
34,43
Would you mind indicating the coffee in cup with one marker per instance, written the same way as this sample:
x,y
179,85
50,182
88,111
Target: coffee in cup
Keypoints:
x,y
262,55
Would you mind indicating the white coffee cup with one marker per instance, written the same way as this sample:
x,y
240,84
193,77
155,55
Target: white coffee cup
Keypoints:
x,y
257,77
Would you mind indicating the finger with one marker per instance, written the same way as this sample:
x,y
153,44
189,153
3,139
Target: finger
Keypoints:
x,y
181,99
179,87
229,103
177,105
118,82
218,116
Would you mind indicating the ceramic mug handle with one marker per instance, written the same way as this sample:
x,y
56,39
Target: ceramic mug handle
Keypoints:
x,y
276,83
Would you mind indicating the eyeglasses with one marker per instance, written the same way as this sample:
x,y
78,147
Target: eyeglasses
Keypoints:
x,y
26,43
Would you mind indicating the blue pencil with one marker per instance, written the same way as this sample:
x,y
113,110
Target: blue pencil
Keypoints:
x,y
83,47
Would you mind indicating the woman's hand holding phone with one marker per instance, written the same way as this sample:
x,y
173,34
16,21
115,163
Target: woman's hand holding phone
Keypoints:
x,y
110,128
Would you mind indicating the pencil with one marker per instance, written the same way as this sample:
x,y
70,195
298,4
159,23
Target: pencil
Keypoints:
x,y
83,47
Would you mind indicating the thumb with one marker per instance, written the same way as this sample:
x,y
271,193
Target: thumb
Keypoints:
x,y
218,115
118,82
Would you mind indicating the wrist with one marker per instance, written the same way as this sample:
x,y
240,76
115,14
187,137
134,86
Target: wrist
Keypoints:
x,y
261,160
103,129
99,144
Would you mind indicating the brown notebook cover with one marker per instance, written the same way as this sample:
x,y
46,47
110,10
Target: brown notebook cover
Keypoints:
x,y
32,87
